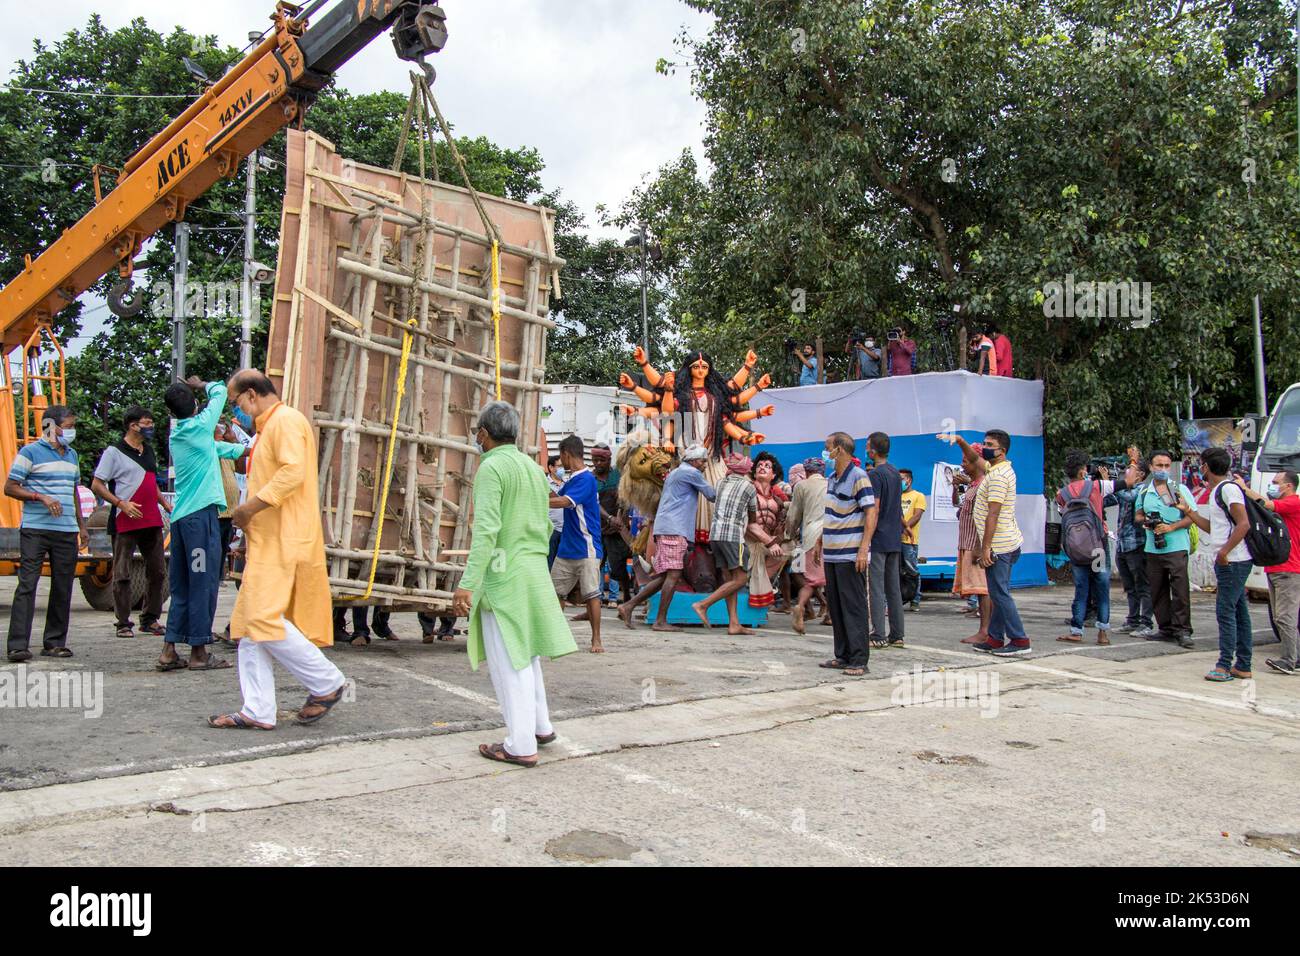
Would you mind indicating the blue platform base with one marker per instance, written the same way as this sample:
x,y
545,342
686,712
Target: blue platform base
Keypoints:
x,y
679,612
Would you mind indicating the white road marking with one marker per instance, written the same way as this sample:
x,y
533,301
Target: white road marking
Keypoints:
x,y
973,657
472,695
200,760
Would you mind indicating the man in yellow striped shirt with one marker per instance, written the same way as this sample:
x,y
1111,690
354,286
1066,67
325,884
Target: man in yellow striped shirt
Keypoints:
x,y
1000,543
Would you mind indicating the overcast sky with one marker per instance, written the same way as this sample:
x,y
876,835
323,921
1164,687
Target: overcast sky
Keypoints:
x,y
573,78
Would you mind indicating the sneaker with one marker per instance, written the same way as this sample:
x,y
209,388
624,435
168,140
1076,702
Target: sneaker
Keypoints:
x,y
1124,628
1282,667
1018,648
911,607
1186,642
988,647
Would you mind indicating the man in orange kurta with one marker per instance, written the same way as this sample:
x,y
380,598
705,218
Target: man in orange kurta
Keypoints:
x,y
283,610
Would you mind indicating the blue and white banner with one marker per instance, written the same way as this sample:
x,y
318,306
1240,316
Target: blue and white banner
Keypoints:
x,y
912,409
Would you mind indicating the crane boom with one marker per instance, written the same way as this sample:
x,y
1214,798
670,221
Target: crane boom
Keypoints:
x,y
261,94
265,91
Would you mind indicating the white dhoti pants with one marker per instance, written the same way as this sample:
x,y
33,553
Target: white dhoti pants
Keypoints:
x,y
521,693
299,656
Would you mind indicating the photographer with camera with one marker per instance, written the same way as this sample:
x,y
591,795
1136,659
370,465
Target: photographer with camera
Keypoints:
x,y
866,356
901,350
808,358
1168,546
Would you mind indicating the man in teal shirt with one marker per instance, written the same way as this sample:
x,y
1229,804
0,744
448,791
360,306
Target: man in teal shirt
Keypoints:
x,y
1168,545
195,572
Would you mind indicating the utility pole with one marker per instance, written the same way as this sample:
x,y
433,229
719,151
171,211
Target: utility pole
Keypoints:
x,y
1261,398
645,313
178,300
246,288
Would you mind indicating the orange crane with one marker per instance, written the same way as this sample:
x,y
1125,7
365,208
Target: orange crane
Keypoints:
x,y
270,88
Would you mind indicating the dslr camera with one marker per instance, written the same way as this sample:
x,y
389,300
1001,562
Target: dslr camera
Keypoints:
x,y
1150,524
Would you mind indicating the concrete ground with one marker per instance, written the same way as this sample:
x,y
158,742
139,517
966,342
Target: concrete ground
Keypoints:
x,y
691,748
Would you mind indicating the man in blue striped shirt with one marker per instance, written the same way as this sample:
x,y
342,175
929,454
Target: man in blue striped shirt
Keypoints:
x,y
850,521
44,478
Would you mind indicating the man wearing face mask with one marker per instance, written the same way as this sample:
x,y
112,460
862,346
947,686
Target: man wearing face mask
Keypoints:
x,y
126,477
1284,578
555,478
44,478
866,357
1168,544
1000,541
282,613
846,542
195,570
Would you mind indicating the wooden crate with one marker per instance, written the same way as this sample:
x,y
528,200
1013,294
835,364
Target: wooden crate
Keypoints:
x,y
362,251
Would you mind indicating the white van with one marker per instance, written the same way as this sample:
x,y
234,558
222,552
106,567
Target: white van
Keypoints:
x,y
1279,450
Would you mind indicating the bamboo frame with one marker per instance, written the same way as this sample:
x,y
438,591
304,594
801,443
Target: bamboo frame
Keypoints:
x,y
364,251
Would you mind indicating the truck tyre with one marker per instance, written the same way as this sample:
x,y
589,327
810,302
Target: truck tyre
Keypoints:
x,y
98,590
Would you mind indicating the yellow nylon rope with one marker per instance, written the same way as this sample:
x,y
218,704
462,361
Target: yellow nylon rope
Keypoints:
x,y
407,339
496,309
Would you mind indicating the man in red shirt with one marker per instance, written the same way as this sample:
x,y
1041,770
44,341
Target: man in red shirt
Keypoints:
x,y
1001,350
902,352
126,477
1284,578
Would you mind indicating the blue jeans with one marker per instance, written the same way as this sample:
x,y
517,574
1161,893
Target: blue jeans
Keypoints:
x,y
910,556
1096,584
1004,621
194,577
1233,611
555,546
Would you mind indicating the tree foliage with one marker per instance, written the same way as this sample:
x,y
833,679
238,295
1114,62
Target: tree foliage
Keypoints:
x,y
940,162
130,361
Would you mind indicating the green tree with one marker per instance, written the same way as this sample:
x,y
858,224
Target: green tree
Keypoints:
x,y
130,361
942,162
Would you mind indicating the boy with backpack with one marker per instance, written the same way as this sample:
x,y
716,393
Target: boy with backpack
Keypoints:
x,y
1083,538
1228,526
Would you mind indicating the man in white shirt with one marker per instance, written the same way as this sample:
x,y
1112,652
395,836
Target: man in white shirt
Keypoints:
x,y
1228,526
555,477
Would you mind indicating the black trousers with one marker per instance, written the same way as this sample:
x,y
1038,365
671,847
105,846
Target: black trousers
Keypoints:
x,y
34,547
359,626
150,543
226,528
1171,597
617,553
1133,572
846,599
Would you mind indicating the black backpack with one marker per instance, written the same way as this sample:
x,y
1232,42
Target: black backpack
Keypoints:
x,y
909,580
1082,536
1268,541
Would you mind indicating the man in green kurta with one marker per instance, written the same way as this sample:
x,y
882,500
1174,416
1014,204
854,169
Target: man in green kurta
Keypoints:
x,y
514,619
